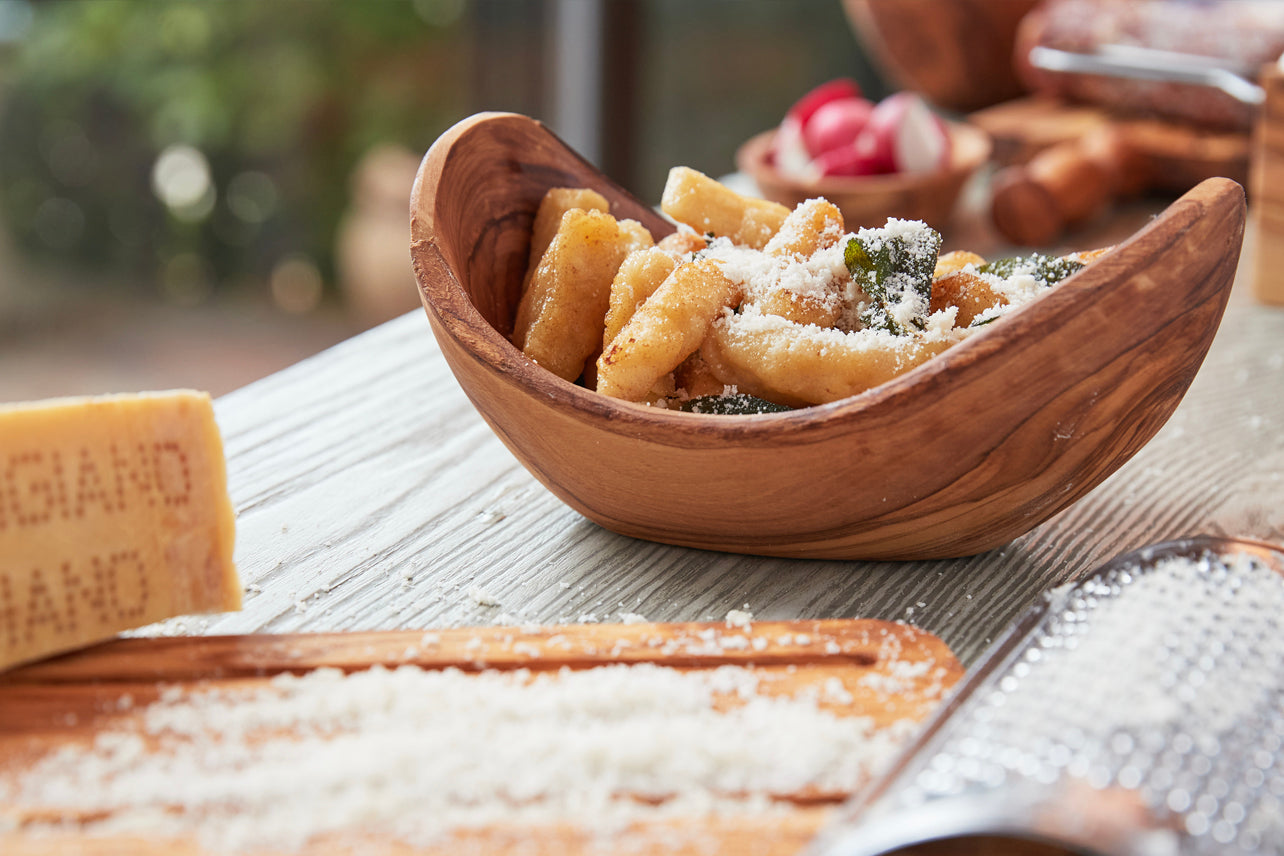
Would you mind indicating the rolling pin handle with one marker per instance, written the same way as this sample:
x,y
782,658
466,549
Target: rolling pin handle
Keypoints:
x,y
1061,187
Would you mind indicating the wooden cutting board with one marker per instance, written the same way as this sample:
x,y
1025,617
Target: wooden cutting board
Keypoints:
x,y
889,672
1064,163
1024,127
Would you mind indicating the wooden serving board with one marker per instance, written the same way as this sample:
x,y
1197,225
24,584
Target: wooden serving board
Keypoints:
x,y
1175,155
888,672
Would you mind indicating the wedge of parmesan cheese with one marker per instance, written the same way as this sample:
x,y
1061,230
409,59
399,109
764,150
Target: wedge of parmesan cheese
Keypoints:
x,y
114,513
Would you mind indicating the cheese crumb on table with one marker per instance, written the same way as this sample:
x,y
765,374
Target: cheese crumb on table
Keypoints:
x,y
481,597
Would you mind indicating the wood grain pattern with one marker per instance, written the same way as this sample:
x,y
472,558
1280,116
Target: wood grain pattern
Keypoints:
x,y
72,698
1101,362
870,200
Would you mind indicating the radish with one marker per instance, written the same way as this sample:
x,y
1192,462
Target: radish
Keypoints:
x,y
834,90
904,133
846,160
836,124
790,152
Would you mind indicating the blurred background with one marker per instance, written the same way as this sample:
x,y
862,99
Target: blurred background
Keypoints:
x,y
199,194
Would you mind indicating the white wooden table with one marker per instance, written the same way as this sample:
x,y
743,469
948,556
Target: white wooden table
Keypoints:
x,y
370,495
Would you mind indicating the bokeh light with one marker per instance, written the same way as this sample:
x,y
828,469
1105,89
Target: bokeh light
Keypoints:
x,y
296,284
252,196
59,222
181,179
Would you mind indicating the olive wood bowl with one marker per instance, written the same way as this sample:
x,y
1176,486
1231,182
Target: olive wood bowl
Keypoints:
x,y
958,456
868,200
958,53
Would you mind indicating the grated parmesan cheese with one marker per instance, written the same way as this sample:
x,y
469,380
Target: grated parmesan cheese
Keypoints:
x,y
481,597
824,276
818,276
411,754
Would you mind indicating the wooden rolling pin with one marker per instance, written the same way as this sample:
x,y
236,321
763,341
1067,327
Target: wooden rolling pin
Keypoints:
x,y
1061,187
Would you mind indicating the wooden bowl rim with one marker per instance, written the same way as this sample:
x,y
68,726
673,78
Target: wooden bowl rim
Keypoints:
x,y
450,305
972,147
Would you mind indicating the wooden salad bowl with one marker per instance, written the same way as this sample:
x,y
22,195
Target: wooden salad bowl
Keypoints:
x,y
964,453
868,200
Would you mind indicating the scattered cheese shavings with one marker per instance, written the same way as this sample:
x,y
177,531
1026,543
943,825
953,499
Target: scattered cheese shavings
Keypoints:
x,y
482,597
411,754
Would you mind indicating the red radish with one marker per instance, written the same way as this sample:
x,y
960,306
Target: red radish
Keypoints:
x,y
844,160
834,90
905,133
836,124
876,145
789,150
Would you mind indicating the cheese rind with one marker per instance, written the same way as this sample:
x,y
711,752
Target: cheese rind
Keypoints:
x,y
114,513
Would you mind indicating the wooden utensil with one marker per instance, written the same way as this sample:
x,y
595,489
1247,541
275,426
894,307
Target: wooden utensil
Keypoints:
x,y
1268,191
886,671
1068,163
870,200
958,456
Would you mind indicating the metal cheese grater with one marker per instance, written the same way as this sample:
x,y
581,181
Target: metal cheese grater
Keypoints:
x,y
1137,712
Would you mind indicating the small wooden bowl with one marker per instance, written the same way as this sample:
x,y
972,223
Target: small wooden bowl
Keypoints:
x,y
958,53
869,200
958,456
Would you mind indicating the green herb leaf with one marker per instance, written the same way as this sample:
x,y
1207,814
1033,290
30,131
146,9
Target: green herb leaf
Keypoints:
x,y
893,270
1048,270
